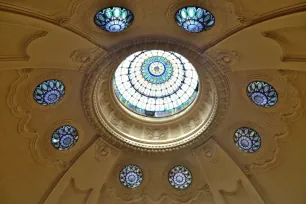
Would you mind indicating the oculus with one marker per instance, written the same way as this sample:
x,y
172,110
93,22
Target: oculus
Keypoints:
x,y
64,137
247,139
194,19
262,94
114,19
131,176
180,177
49,92
156,83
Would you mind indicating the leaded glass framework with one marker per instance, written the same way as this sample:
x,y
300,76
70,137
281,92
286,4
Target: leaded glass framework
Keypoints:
x,y
156,83
131,176
180,177
194,19
114,19
247,139
49,92
64,137
262,94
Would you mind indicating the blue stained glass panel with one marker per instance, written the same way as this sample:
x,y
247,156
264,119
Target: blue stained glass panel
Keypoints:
x,y
49,92
262,94
247,139
131,176
180,177
194,19
156,83
114,19
64,137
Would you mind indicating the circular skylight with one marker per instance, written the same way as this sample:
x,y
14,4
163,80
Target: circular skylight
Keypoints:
x,y
64,137
156,83
131,176
49,92
194,19
180,177
247,139
114,19
262,94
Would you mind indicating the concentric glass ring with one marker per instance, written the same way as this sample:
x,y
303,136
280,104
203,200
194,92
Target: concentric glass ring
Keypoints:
x,y
156,83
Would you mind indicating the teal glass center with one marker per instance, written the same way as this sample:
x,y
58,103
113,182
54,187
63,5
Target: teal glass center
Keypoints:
x,y
156,70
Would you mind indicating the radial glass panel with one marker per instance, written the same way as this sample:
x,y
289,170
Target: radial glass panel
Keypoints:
x,y
131,176
247,139
64,137
194,19
156,83
49,92
114,19
262,94
180,177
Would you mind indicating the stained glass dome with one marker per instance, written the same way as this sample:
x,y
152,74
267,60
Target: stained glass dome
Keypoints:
x,y
131,176
64,137
247,139
49,92
194,19
156,83
114,19
180,177
262,94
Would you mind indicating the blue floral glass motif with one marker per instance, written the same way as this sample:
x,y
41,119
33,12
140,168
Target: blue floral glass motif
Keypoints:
x,y
194,19
131,176
64,137
262,94
180,177
49,92
247,139
114,19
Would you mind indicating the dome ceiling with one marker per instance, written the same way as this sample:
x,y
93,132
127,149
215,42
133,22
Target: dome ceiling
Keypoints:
x,y
68,138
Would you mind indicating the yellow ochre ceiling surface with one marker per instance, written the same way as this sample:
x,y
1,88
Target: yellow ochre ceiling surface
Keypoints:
x,y
58,39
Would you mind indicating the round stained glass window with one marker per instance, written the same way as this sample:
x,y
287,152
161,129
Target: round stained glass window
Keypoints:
x,y
180,177
262,94
131,176
247,139
49,92
114,19
194,19
156,83
64,137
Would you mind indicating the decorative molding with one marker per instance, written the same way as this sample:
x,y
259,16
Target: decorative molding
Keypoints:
x,y
85,58
245,17
284,43
233,192
266,17
102,149
100,104
37,146
202,193
225,59
294,112
25,43
61,21
71,190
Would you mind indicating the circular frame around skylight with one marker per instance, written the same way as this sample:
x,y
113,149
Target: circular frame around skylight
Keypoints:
x,y
156,83
127,129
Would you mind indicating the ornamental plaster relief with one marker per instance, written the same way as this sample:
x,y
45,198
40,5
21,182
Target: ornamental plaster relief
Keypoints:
x,y
106,114
88,185
37,123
